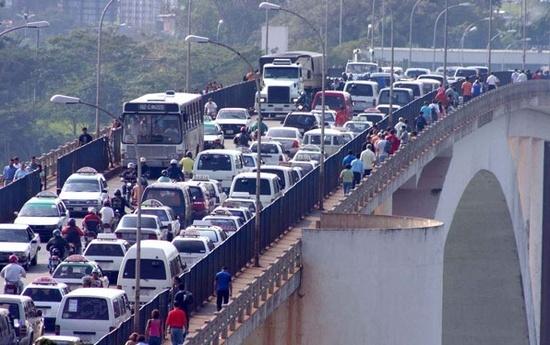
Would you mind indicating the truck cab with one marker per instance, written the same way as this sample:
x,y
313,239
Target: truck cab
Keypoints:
x,y
282,87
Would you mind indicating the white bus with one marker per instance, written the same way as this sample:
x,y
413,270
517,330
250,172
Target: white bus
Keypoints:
x,y
166,125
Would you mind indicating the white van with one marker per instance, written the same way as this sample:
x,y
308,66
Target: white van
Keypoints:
x,y
90,313
221,165
363,94
288,177
334,139
429,85
416,86
192,247
244,186
160,261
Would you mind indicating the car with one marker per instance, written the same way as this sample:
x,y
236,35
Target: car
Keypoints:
x,y
306,166
289,137
287,176
229,224
231,120
174,195
303,121
383,79
107,251
200,199
417,87
432,76
7,331
272,152
333,139
213,187
166,215
206,229
19,239
250,160
373,117
46,293
244,186
413,73
401,96
397,70
83,189
450,70
74,268
43,213
192,247
385,108
306,155
213,136
363,93
243,213
330,116
339,101
356,127
59,340
151,228
236,202
27,319
221,165
462,73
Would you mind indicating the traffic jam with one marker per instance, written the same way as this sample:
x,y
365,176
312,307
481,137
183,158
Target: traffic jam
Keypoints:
x,y
70,258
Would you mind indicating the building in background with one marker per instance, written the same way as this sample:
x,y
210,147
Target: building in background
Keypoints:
x,y
142,15
88,12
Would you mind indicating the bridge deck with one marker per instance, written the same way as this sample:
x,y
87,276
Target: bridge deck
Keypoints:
x,y
207,313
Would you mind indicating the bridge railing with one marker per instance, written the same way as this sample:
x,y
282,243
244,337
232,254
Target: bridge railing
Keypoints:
x,y
15,195
463,119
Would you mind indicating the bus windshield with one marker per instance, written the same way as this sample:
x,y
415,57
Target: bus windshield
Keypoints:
x,y
152,129
361,68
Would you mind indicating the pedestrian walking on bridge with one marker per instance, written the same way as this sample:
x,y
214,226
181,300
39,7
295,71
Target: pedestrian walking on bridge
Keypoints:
x,y
222,287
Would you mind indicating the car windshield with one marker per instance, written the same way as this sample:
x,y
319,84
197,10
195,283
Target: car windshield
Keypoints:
x,y
248,185
162,214
104,249
414,87
228,225
210,129
399,97
357,68
414,73
167,196
356,127
277,172
465,72
78,185
374,118
72,271
231,114
152,129
281,133
150,269
13,309
334,102
249,161
39,210
214,162
85,308
43,295
308,156
190,246
281,72
359,89
265,148
131,222
315,139
196,193
300,120
238,203
12,235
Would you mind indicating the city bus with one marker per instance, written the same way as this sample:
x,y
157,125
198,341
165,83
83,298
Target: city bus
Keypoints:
x,y
165,126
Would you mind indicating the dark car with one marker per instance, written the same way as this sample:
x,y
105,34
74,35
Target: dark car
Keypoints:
x,y
301,120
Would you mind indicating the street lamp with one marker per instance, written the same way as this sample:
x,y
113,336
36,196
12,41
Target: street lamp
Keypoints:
x,y
470,28
220,22
372,33
271,6
30,25
98,66
462,4
411,30
340,24
200,39
489,44
62,99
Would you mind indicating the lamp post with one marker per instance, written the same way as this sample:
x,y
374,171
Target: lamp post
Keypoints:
x,y
524,32
411,31
445,43
271,6
340,24
200,39
188,52
266,32
98,66
29,25
390,117
220,22
62,99
470,28
489,37
437,21
372,31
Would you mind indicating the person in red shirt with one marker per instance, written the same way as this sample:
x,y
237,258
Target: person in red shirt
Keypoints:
x,y
394,140
91,221
441,96
175,323
72,234
466,90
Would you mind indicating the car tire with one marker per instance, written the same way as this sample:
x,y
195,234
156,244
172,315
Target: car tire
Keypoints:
x,y
34,260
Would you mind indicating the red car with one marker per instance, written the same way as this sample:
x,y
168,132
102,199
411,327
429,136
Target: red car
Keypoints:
x,y
338,101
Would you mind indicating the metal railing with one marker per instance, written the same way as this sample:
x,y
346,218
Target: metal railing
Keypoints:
x,y
15,195
459,122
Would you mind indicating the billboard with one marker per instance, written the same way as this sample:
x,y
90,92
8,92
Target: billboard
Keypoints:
x,y
278,39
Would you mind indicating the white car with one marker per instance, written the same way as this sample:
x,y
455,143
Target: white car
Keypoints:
x,y
289,137
107,251
151,228
229,224
356,127
46,293
167,217
213,187
250,160
19,239
83,189
231,120
192,247
244,186
243,213
213,136
272,152
44,213
373,117
250,204
330,116
74,268
30,323
206,229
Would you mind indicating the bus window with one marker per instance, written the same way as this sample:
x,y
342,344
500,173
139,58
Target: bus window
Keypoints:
x,y
152,129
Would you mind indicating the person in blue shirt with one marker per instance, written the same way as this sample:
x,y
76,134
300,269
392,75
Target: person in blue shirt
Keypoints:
x,y
347,159
21,172
476,88
9,172
420,122
222,287
426,111
357,167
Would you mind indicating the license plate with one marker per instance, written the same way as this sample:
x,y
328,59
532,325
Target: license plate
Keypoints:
x,y
278,109
229,131
266,156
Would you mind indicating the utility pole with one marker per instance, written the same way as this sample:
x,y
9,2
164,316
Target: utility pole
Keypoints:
x,y
489,45
445,44
266,32
188,55
341,19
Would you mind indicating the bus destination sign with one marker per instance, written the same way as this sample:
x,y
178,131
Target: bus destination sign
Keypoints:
x,y
152,107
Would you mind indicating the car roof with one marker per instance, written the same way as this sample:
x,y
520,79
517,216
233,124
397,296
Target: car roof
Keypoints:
x,y
274,167
234,109
219,151
215,216
164,246
364,82
300,113
166,185
133,215
252,175
95,292
328,131
181,238
14,298
9,226
58,285
109,241
59,337
284,128
165,208
82,176
46,201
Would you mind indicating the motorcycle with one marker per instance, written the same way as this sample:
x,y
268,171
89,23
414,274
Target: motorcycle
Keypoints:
x,y
127,186
53,261
11,288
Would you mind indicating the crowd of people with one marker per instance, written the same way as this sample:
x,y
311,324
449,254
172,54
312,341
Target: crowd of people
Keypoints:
x,y
212,86
17,169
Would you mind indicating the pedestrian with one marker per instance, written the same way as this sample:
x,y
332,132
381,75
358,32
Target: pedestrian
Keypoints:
x,y
394,141
399,126
420,122
348,158
522,77
434,106
466,90
476,88
346,175
9,173
369,159
16,162
383,148
132,339
187,164
175,324
84,138
153,328
185,299
358,170
35,165
492,82
514,76
21,172
404,136
141,340
222,287
426,112
211,108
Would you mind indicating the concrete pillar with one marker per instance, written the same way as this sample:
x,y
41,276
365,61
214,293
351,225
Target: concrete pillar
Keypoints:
x,y
385,208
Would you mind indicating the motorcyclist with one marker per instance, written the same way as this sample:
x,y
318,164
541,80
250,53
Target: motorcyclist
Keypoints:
x,y
174,172
92,222
73,234
164,177
119,204
145,170
242,139
137,192
263,129
129,176
13,272
96,282
107,215
57,242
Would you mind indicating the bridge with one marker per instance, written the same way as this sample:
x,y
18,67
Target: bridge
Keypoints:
x,y
443,243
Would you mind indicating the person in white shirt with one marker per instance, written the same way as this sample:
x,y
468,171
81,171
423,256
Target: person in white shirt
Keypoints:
x,y
522,77
107,215
211,108
399,126
514,76
492,81
369,159
13,272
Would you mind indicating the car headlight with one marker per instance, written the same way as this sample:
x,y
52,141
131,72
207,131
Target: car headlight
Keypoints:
x,y
263,99
294,100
